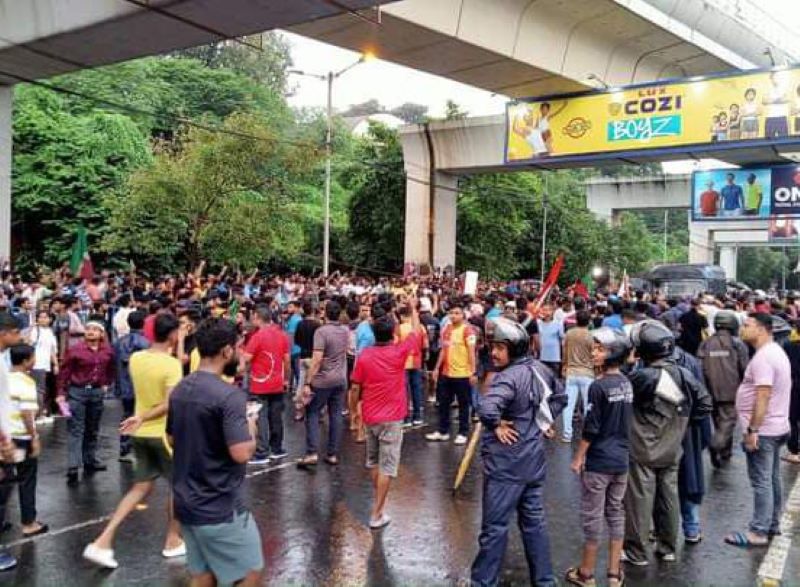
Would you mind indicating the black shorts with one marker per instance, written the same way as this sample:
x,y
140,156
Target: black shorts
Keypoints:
x,y
152,459
433,356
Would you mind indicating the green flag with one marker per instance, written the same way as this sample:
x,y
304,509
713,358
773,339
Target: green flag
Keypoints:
x,y
80,264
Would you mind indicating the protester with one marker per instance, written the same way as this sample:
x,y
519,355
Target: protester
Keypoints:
x,y
551,339
325,384
213,437
124,348
762,404
84,378
44,341
22,389
413,367
379,383
268,354
455,373
154,372
578,369
602,458
521,395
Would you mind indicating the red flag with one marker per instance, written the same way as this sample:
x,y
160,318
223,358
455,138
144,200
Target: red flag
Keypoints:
x,y
551,280
580,289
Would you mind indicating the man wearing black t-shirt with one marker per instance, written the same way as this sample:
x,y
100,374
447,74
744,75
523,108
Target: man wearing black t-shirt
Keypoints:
x,y
213,436
304,338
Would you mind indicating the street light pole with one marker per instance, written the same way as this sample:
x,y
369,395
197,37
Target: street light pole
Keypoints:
x,y
326,243
329,78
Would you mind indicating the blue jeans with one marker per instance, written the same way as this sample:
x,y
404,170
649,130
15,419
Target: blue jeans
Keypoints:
x,y
500,501
763,468
333,398
574,386
86,405
414,391
128,409
690,512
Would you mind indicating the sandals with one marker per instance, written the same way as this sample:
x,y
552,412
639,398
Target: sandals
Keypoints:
x,y
574,577
42,529
308,462
741,540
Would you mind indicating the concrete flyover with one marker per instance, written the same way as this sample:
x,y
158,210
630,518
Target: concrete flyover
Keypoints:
x,y
43,38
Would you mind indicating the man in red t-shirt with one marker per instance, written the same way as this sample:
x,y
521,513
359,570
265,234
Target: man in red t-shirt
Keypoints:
x,y
709,201
268,354
378,381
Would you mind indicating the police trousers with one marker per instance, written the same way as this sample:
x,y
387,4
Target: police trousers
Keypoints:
x,y
500,500
724,416
652,495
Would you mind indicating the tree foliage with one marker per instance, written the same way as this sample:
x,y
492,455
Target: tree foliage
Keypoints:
x,y
377,202
64,163
222,197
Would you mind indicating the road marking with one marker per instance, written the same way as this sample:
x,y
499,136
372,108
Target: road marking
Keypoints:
x,y
59,531
103,519
770,573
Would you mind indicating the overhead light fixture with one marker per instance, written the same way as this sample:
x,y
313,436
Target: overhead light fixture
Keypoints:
x,y
596,80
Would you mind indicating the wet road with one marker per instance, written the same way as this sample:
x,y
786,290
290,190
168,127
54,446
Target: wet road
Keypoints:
x,y
314,530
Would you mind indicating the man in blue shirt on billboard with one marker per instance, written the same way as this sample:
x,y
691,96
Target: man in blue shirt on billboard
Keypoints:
x,y
732,197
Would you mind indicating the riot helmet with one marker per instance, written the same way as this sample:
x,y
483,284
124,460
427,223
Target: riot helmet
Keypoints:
x,y
510,333
652,340
726,320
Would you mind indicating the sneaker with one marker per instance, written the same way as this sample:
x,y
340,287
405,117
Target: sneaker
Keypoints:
x,y
103,557
281,454
127,458
460,440
381,522
417,423
258,461
667,557
174,552
565,440
693,539
7,561
626,558
437,437
407,424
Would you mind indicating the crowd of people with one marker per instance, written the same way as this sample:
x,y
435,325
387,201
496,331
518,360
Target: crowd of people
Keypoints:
x,y
204,365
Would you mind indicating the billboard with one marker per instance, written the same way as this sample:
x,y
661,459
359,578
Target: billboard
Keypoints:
x,y
723,109
746,194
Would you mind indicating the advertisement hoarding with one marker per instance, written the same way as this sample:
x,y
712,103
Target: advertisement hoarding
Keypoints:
x,y
724,109
746,194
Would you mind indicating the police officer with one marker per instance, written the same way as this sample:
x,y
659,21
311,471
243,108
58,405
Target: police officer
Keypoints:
x,y
523,399
665,397
724,357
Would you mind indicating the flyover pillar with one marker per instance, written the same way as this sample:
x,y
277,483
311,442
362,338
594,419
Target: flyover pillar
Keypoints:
x,y
430,236
6,95
728,256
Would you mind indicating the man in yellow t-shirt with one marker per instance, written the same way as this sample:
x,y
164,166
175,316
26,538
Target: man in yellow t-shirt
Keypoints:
x,y
455,374
154,373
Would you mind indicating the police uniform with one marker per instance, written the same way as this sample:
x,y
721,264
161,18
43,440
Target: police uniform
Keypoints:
x,y
514,475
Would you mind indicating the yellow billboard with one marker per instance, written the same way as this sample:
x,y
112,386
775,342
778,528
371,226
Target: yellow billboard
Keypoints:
x,y
735,107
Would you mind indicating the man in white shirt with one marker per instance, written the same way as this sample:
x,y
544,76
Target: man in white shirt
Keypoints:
x,y
120,322
9,336
41,338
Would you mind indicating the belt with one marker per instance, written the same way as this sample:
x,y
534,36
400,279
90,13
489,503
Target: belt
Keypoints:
x,y
87,386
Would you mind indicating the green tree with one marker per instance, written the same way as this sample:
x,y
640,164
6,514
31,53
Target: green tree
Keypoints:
x,y
224,197
411,113
377,203
371,106
762,267
263,57
452,111
64,164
